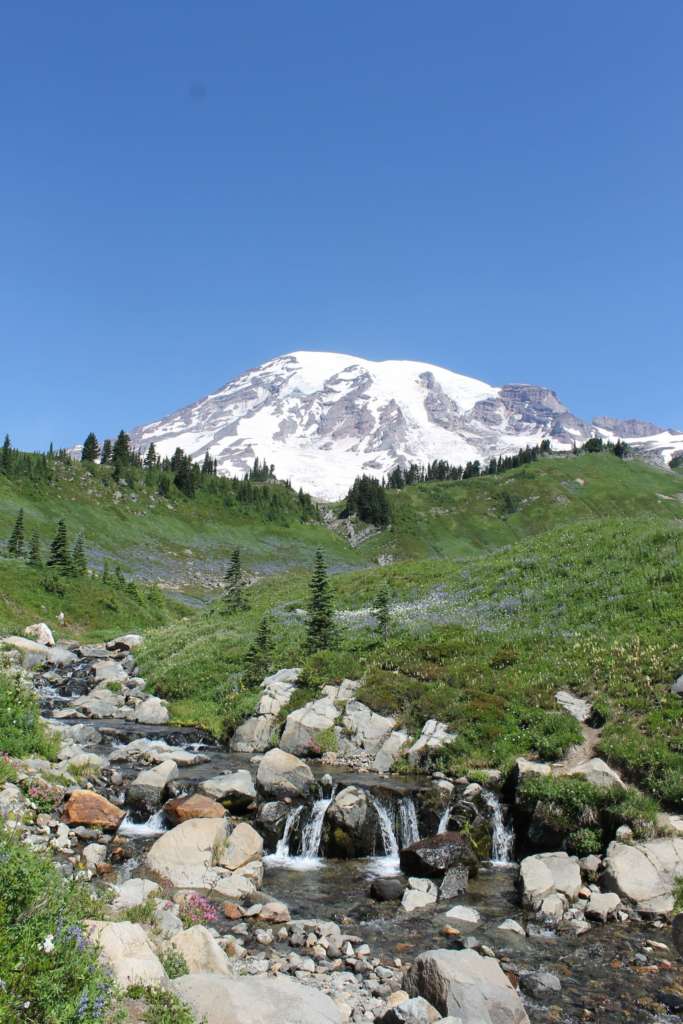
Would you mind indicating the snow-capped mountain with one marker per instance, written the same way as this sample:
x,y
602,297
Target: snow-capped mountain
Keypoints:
x,y
323,418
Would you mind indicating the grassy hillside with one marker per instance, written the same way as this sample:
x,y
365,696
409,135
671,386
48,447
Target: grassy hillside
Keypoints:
x,y
449,519
482,643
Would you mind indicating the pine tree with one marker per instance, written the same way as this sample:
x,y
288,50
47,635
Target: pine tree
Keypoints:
x,y
59,549
320,627
6,455
381,610
234,583
151,457
91,449
34,553
79,563
258,657
15,544
121,452
106,453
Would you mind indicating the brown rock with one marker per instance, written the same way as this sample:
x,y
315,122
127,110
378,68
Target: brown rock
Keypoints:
x,y
196,806
232,911
87,808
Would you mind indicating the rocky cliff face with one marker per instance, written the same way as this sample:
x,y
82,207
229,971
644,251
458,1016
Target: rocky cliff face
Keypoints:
x,y
324,418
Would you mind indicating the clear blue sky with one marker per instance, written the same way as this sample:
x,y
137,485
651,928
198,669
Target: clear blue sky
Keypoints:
x,y
188,189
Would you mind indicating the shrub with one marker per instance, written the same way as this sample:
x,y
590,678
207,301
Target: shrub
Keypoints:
x,y
174,963
165,1008
585,841
144,912
50,973
21,731
327,740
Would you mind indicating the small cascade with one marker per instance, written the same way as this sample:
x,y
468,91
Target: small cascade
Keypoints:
x,y
282,849
154,826
312,832
443,820
503,836
311,835
407,819
389,864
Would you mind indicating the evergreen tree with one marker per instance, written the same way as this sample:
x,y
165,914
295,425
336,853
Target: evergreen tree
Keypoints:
x,y
6,455
621,449
234,583
106,453
381,610
34,553
79,563
151,457
121,451
106,575
15,544
59,549
91,449
320,626
258,657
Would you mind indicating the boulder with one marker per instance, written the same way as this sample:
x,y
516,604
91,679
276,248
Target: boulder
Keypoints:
x,y
41,633
277,691
106,670
547,873
127,951
464,984
366,728
350,824
540,985
234,789
254,736
385,889
148,788
184,856
510,925
215,1000
243,845
415,899
12,802
390,751
274,912
127,642
436,854
602,905
454,882
644,873
575,706
201,951
133,892
598,773
30,652
271,818
87,808
282,775
466,915
411,1011
100,704
94,854
434,735
304,725
151,711
154,752
184,808
677,687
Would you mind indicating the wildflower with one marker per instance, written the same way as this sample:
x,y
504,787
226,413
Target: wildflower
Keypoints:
x,y
48,944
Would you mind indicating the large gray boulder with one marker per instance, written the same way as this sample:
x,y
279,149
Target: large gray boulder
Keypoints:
x,y
151,711
30,652
644,873
546,873
435,855
350,824
234,789
391,749
467,986
109,671
216,1000
304,725
185,856
366,728
598,773
281,775
254,735
126,950
433,737
41,633
201,951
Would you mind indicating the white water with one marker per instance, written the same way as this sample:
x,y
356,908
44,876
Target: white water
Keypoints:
x,y
389,864
503,836
443,820
407,819
154,826
311,834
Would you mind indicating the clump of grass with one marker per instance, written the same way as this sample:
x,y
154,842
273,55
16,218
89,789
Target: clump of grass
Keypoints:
x,y
22,732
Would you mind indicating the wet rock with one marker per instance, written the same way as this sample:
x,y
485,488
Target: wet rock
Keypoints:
x,y
602,905
154,752
454,882
465,915
254,1000
41,633
274,912
414,899
184,856
547,873
281,774
644,873
350,824
151,711
108,671
464,984
435,855
271,820
411,1011
184,808
201,951
386,889
148,788
540,985
127,951
87,808
510,925
234,789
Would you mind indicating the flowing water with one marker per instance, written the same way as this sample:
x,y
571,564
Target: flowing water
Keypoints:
x,y
407,817
154,826
502,835
443,820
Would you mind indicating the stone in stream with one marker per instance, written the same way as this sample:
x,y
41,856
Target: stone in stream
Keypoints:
x,y
127,951
281,775
184,808
644,873
540,985
385,889
108,671
602,905
242,846
155,751
350,824
410,1011
435,855
151,711
466,985
184,856
454,883
466,915
234,789
87,808
256,1000
271,818
148,788
546,874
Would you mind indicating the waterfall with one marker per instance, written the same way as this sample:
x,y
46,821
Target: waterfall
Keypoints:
x,y
311,834
503,836
154,826
282,848
312,831
407,817
443,820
